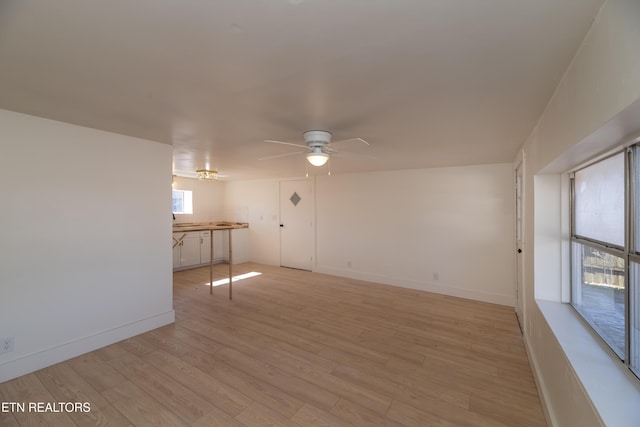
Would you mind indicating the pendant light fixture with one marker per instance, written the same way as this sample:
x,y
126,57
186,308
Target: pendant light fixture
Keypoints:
x,y
206,174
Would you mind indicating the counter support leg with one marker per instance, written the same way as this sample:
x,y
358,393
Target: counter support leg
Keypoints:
x,y
230,268
211,262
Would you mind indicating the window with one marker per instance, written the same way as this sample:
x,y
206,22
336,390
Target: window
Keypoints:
x,y
605,251
598,292
599,201
182,202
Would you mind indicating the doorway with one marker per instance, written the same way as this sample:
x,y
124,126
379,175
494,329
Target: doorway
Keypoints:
x,y
297,226
519,214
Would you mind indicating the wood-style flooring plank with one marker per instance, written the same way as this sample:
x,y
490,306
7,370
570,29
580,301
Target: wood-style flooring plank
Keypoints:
x,y
8,420
28,389
66,385
223,396
217,418
170,393
258,390
140,408
413,417
295,348
351,390
292,384
257,415
96,371
310,416
360,416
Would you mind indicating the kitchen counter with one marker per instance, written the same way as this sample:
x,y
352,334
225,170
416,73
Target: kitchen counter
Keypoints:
x,y
200,226
218,225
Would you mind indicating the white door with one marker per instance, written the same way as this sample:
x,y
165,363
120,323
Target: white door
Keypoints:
x,y
297,224
519,243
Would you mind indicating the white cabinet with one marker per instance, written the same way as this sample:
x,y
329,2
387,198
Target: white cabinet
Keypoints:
x,y
205,247
190,250
193,248
186,249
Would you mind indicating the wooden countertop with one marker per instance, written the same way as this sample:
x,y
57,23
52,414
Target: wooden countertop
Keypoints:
x,y
201,226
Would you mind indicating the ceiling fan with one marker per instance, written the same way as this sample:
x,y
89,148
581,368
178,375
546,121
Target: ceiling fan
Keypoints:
x,y
318,146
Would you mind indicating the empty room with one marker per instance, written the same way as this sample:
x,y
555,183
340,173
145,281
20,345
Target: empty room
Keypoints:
x,y
320,213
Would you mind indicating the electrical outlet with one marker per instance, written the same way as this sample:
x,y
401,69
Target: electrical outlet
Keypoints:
x,y
6,344
436,276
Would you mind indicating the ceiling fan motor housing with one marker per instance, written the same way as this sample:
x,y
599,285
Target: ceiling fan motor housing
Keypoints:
x,y
320,136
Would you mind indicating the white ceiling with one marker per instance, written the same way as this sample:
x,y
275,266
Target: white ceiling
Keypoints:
x,y
427,82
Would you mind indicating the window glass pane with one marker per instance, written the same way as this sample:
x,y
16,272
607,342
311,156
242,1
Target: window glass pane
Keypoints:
x,y
178,201
182,202
635,317
636,197
599,201
598,293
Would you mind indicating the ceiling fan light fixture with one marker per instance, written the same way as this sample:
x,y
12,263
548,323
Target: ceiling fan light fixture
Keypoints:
x,y
206,174
317,158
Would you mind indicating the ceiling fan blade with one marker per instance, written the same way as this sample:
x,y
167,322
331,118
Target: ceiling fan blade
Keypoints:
x,y
284,143
351,140
282,155
352,155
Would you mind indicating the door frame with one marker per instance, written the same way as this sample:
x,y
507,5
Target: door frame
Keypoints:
x,y
519,236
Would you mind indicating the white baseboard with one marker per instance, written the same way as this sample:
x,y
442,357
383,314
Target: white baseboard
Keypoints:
x,y
428,286
239,259
42,359
543,393
265,261
219,260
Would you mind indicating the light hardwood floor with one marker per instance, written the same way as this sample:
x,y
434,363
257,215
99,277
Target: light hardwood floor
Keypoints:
x,y
296,348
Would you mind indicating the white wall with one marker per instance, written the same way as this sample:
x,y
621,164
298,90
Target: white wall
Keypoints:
x,y
401,227
258,200
85,259
207,199
547,249
594,108
445,230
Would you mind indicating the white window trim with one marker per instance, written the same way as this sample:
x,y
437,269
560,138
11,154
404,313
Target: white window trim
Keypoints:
x,y
187,202
612,388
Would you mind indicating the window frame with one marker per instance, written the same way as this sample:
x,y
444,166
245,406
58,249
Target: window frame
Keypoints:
x,y
626,191
629,252
586,315
187,202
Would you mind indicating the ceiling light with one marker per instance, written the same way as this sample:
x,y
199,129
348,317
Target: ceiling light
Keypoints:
x,y
207,174
317,158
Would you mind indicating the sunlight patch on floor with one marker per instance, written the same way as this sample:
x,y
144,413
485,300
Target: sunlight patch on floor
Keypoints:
x,y
235,278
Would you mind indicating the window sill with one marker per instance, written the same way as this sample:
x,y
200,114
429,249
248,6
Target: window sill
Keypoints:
x,y
614,391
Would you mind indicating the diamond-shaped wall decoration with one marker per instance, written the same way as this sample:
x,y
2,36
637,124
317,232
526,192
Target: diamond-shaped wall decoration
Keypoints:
x,y
295,199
